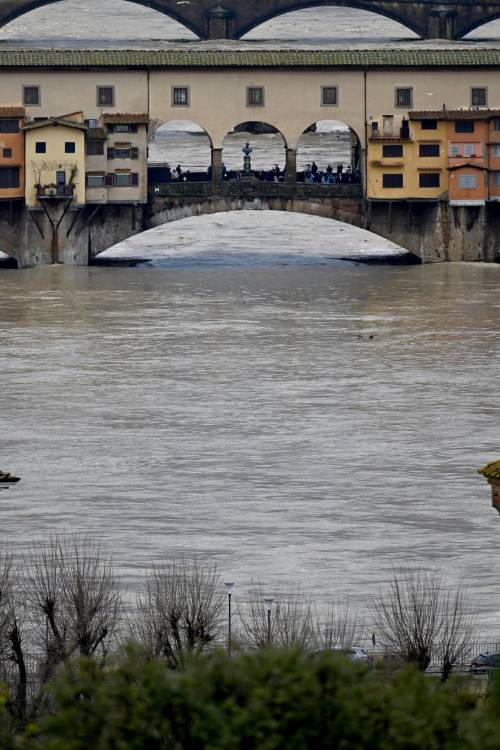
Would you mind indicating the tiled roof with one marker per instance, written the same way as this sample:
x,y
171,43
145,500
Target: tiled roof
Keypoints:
x,y
455,114
491,470
55,121
468,164
12,111
124,119
231,58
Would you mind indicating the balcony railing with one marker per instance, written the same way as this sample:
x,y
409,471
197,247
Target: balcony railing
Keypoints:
x,y
402,134
55,192
494,136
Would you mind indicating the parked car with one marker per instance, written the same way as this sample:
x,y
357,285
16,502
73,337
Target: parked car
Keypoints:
x,y
485,663
354,653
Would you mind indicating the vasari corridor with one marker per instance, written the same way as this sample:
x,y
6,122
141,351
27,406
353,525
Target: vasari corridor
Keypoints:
x,y
250,362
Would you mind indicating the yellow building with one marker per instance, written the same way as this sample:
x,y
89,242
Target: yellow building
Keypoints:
x,y
55,160
407,160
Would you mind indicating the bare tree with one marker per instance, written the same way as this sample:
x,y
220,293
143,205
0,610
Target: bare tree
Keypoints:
x,y
458,631
419,619
12,654
73,591
181,611
408,615
291,620
337,627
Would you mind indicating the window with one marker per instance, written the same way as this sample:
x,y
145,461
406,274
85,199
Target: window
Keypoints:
x,y
496,178
123,179
40,147
91,123
31,96
403,97
255,96
429,124
70,147
428,180
464,126
125,128
388,124
180,96
94,148
467,181
392,180
329,96
495,149
7,153
478,97
9,126
468,149
391,151
454,149
496,123
428,149
105,96
95,180
123,151
9,177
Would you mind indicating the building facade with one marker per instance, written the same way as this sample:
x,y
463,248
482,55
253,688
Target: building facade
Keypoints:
x,y
11,152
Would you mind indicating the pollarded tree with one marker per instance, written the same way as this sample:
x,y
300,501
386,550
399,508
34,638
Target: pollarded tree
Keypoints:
x,y
419,619
181,611
291,620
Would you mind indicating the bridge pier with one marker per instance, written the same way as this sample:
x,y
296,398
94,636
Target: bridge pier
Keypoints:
x,y
216,166
440,23
291,166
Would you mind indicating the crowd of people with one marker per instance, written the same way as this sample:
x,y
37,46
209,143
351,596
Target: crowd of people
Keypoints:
x,y
311,174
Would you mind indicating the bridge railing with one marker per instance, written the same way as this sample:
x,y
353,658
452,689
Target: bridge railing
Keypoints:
x,y
254,189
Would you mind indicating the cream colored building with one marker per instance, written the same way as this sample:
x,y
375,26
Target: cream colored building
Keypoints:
x,y
55,160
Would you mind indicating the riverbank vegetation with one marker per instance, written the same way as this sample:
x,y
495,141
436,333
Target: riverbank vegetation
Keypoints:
x,y
85,666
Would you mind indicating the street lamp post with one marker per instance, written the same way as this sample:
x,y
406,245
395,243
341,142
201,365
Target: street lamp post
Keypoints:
x,y
269,604
229,588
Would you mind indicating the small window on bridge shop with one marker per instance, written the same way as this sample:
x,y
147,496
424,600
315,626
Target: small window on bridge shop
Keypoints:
x,y
467,181
40,147
495,149
95,180
180,96
91,123
123,179
7,153
470,149
496,123
496,179
70,147
464,126
125,128
31,96
255,96
9,126
428,180
429,124
392,150
94,148
403,97
329,96
123,151
105,96
392,180
479,97
9,177
428,149
454,149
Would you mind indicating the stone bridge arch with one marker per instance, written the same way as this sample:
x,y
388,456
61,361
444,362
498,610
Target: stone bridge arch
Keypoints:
x,y
231,19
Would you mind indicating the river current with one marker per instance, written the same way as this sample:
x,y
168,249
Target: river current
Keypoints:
x,y
244,413
247,396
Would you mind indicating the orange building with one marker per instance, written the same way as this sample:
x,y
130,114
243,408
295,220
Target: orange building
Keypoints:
x,y
11,152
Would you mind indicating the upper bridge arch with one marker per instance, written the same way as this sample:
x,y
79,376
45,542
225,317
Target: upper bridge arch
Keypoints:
x,y
217,19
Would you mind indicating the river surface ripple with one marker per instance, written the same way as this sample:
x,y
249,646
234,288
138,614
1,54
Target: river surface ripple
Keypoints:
x,y
236,413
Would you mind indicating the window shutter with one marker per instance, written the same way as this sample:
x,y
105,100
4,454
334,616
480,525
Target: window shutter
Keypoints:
x,y
111,153
134,179
132,128
134,153
110,179
111,128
